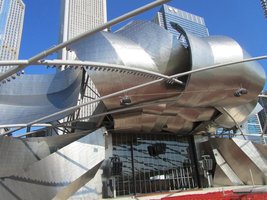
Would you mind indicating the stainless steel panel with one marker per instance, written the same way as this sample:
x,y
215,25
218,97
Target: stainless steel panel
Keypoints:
x,y
238,113
119,49
157,109
30,97
239,161
129,121
17,154
148,122
220,179
252,152
61,173
224,166
145,45
166,51
191,114
178,125
110,82
160,123
216,87
114,49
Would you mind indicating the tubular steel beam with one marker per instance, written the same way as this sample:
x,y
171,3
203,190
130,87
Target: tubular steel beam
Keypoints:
x,y
88,64
85,63
106,65
236,124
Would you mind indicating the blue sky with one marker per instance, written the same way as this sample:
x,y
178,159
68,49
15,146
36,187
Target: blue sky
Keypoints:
x,y
242,20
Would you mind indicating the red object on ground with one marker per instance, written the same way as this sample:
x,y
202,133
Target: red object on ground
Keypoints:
x,y
226,195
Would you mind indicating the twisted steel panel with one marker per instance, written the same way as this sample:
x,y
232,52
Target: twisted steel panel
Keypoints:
x,y
147,46
216,87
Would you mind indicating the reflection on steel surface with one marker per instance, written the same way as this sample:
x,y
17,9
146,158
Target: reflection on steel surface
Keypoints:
x,y
147,46
59,174
232,114
32,96
239,162
24,152
224,172
221,97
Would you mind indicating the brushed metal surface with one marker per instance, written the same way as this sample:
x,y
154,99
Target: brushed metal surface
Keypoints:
x,y
30,97
220,178
241,158
253,153
62,173
238,113
19,153
167,52
216,87
120,48
145,45
226,169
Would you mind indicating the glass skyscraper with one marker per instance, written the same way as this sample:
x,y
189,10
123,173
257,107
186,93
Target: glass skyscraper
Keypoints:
x,y
168,15
11,24
252,126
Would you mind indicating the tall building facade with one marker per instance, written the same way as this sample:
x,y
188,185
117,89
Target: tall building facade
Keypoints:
x,y
252,129
254,126
168,15
79,16
11,24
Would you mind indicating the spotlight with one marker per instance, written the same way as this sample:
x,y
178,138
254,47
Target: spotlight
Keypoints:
x,y
240,92
125,101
